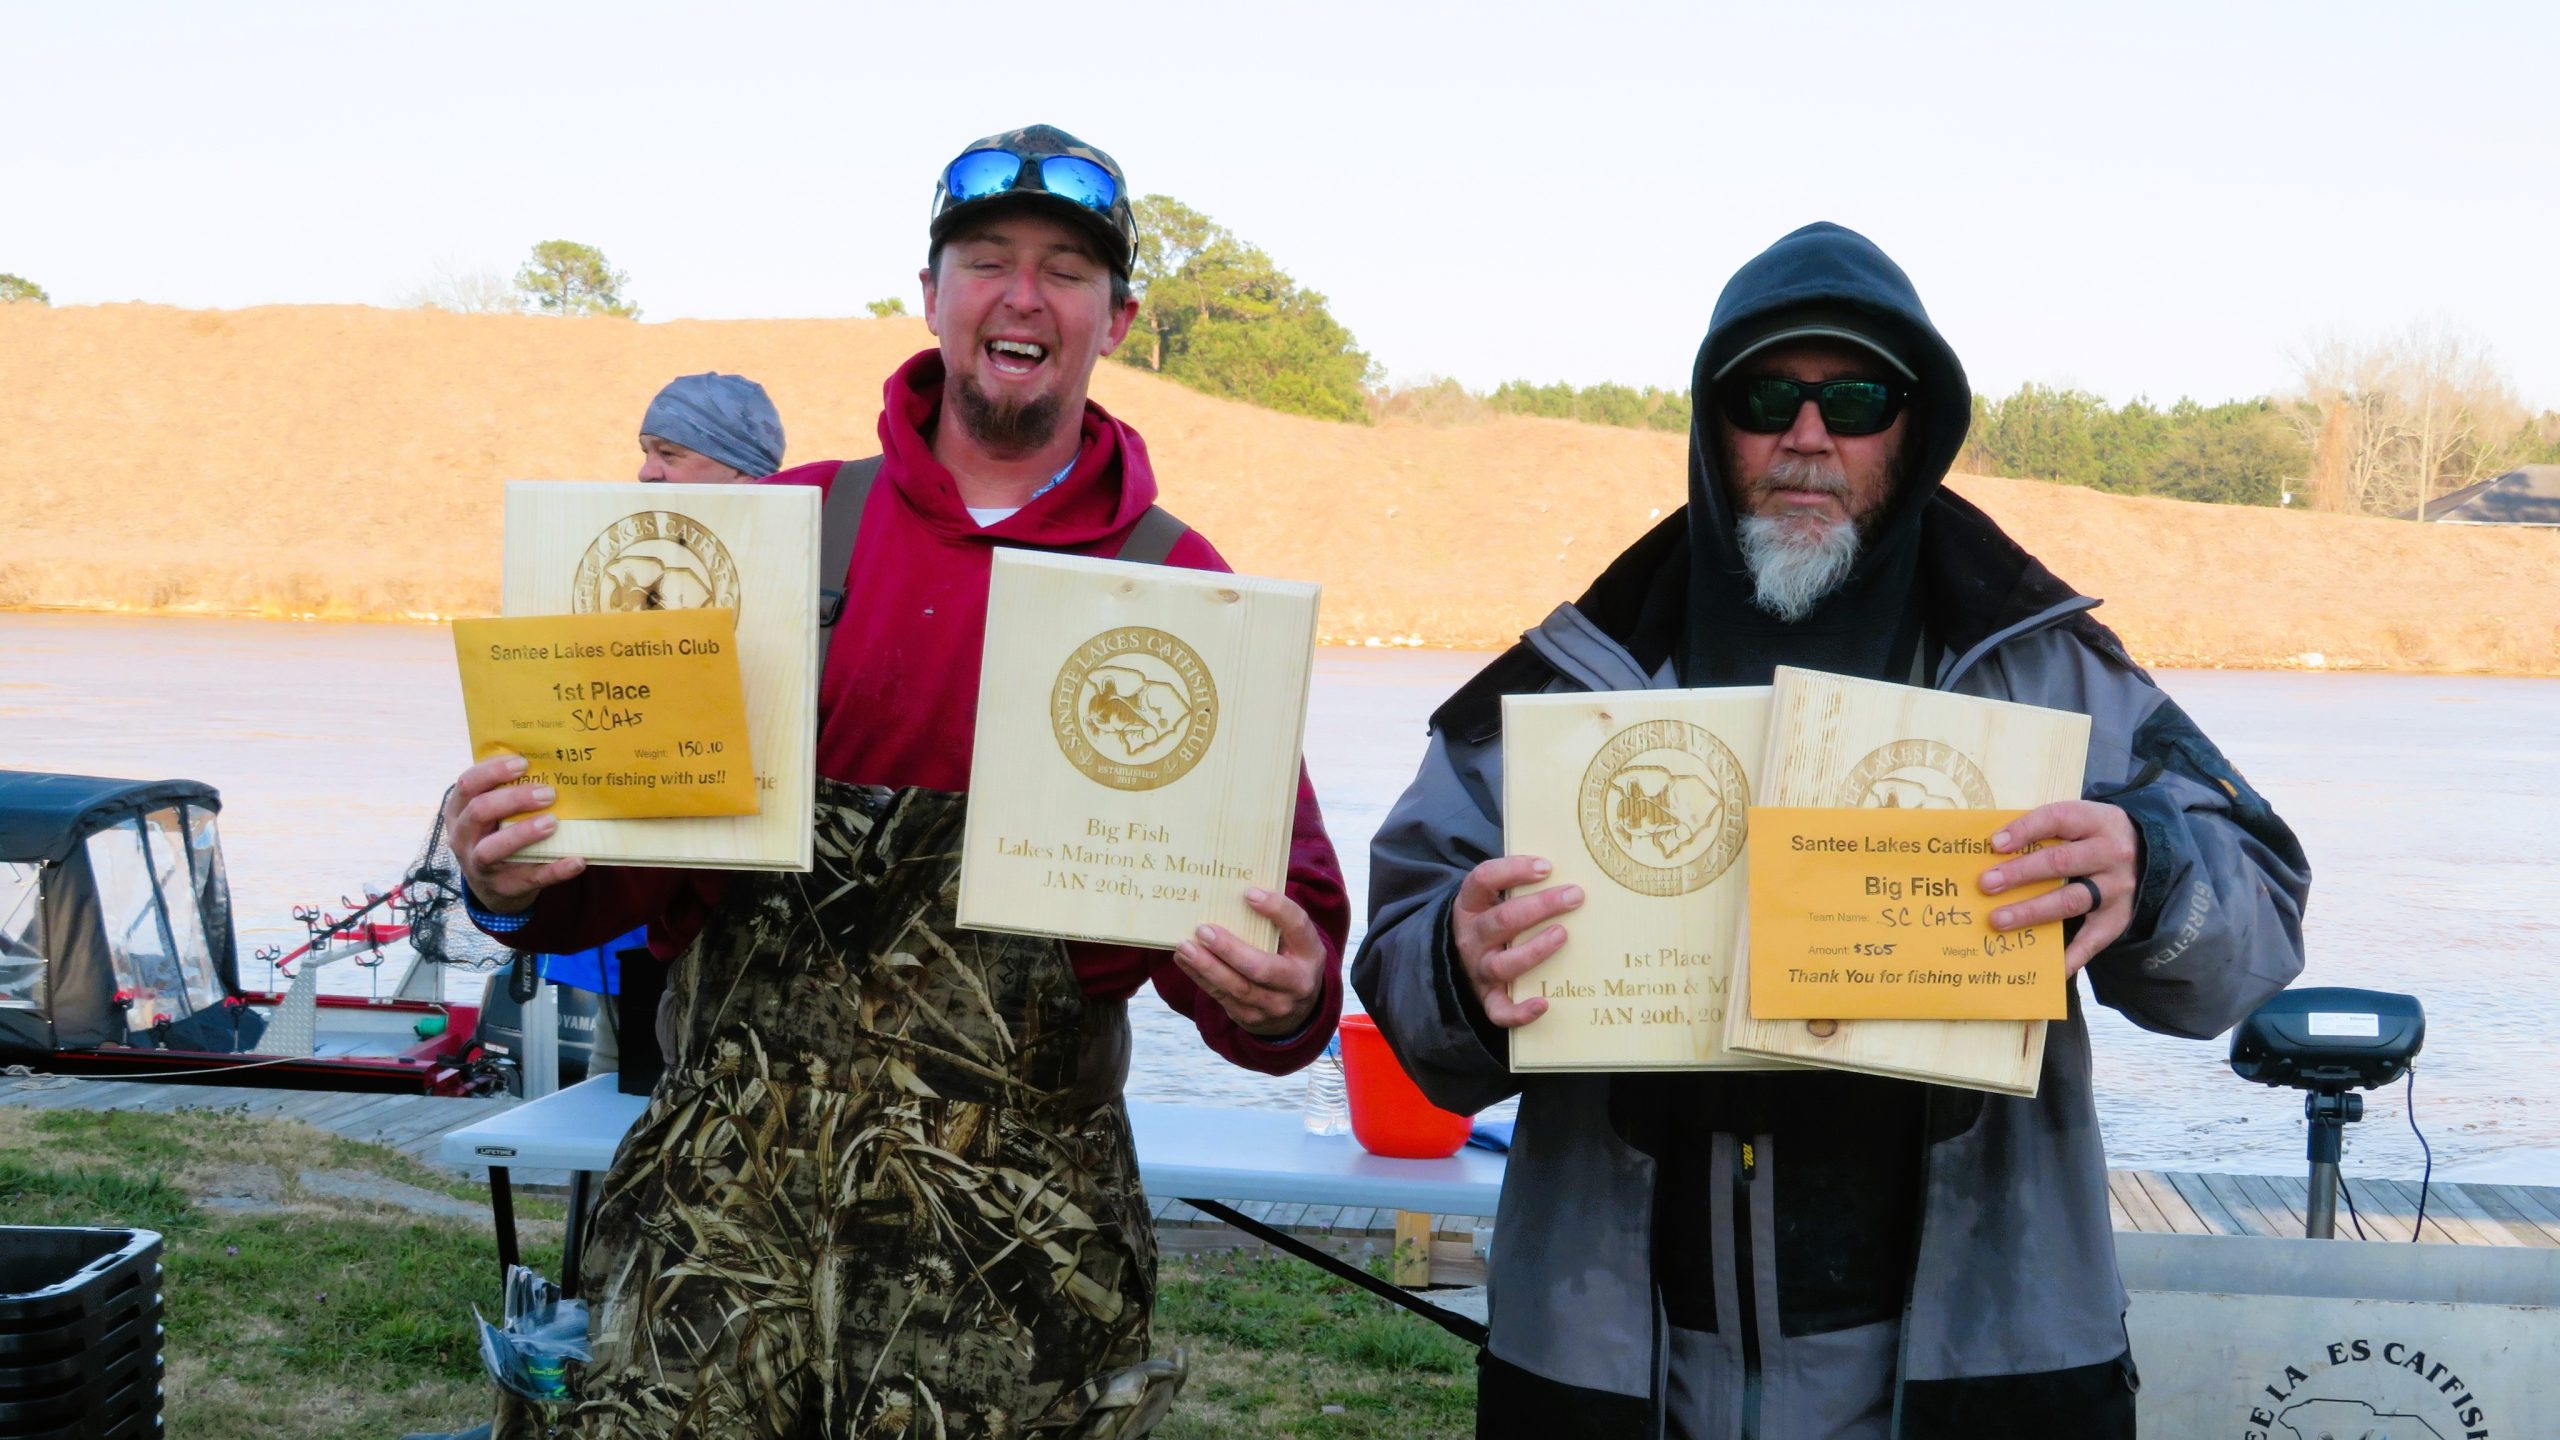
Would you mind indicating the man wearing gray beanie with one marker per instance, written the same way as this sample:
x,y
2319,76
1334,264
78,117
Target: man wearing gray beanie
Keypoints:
x,y
710,429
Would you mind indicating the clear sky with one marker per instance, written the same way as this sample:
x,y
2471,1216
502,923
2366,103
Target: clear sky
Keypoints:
x,y
2165,199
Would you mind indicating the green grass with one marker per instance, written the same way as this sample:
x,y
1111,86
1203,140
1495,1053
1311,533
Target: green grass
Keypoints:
x,y
131,1138
313,1318
1279,1348
316,1318
33,1196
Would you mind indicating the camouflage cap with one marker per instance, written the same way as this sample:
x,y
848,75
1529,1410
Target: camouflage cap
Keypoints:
x,y
1118,229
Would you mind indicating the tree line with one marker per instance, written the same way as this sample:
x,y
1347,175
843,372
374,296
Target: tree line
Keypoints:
x,y
1602,404
2393,424
2375,428
1216,313
2241,452
560,277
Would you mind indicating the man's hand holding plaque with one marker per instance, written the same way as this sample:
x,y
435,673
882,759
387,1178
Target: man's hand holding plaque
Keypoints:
x,y
1501,937
2095,849
1271,994
476,814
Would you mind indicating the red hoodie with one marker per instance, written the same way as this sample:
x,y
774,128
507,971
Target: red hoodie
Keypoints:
x,y
898,697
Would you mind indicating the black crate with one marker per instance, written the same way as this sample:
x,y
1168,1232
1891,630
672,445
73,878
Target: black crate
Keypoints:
x,y
23,1352
129,1413
80,1333
51,1276
135,1332
124,1389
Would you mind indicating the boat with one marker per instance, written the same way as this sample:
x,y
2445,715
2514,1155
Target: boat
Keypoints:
x,y
119,959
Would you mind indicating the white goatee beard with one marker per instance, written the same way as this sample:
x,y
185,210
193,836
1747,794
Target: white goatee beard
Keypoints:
x,y
1796,562
1792,571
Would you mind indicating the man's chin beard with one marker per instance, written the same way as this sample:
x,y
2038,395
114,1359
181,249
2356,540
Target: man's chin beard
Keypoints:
x,y
1016,428
1794,568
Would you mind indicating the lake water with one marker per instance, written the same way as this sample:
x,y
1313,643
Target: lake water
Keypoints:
x,y
2430,807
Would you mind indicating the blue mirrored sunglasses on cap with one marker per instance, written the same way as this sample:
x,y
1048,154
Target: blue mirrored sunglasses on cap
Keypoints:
x,y
982,173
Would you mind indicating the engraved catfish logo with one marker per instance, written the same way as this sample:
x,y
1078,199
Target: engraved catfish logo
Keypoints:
x,y
1666,811
1134,708
1126,711
1916,775
1663,807
655,560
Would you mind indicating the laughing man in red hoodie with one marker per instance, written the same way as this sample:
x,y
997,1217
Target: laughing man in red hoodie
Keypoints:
x,y
806,1030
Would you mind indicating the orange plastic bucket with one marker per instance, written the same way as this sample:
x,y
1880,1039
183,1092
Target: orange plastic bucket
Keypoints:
x,y
1388,1114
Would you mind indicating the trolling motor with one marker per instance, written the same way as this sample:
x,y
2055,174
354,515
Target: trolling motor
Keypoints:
x,y
2330,1042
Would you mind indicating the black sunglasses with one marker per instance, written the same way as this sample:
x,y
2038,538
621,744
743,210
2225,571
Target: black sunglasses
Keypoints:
x,y
1769,404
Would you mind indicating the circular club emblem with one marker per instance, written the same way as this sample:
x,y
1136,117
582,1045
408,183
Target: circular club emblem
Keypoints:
x,y
1663,807
1916,775
2388,1385
655,560
1134,708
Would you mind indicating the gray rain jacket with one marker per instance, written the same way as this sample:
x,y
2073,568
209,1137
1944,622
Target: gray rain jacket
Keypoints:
x,y
2012,1313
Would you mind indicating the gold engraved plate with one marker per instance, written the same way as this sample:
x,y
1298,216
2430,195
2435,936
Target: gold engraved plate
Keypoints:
x,y
1642,798
1136,759
594,549
1869,744
1134,708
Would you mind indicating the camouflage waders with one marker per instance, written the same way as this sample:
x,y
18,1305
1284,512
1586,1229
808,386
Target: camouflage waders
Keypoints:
x,y
886,1187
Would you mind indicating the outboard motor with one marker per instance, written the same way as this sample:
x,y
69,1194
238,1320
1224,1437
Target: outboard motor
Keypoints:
x,y
501,1033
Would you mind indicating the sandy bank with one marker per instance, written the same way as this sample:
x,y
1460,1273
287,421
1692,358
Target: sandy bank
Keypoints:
x,y
346,461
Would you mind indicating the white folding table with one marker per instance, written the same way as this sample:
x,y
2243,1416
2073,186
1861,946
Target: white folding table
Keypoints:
x,y
576,1129
1235,1154
1200,1154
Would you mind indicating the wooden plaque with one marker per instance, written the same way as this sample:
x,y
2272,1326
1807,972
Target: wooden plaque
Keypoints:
x,y
576,548
1136,763
1838,742
1640,798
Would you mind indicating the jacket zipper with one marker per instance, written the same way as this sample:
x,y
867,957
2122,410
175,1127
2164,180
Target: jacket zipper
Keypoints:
x,y
1746,1289
1929,1102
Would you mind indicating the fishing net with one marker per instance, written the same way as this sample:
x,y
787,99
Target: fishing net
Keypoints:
x,y
439,930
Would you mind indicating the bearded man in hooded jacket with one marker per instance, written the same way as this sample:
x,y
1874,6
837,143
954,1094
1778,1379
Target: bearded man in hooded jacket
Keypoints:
x,y
1799,1254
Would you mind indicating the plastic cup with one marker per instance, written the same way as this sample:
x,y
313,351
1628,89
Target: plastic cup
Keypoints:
x,y
1389,1116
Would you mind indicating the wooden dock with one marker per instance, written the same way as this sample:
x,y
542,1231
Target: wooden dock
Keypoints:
x,y
410,1124
2181,1202
2156,1201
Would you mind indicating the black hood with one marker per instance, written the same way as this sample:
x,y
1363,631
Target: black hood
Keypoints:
x,y
1870,626
1936,563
